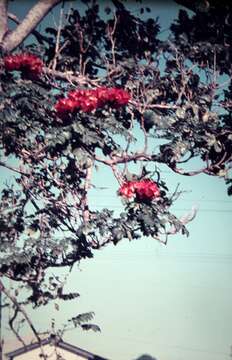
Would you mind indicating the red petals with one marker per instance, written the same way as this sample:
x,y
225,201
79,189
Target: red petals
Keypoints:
x,y
128,189
11,63
65,105
144,189
89,100
119,96
24,62
147,189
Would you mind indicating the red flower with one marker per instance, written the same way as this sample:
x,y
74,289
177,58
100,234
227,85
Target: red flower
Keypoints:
x,y
24,62
89,100
12,62
103,95
74,95
86,100
128,189
144,189
88,104
147,189
65,105
121,97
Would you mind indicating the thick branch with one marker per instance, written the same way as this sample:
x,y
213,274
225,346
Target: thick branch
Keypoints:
x,y
68,76
29,23
39,37
146,157
3,18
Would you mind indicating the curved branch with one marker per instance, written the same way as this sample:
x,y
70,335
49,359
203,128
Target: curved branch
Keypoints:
x,y
29,23
190,173
191,155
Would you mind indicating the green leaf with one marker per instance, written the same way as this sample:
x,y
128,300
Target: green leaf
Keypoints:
x,y
80,318
92,327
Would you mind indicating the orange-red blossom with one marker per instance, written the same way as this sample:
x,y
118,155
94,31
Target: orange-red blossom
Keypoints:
x,y
24,62
143,189
88,100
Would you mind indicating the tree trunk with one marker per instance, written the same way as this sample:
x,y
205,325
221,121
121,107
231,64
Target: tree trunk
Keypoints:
x,y
29,23
3,18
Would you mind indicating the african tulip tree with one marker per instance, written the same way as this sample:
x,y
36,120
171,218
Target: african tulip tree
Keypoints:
x,y
81,96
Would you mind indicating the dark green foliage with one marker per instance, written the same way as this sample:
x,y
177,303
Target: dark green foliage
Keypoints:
x,y
81,319
206,34
88,38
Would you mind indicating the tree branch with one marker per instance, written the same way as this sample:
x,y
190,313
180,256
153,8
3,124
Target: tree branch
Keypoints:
x,y
70,77
13,169
3,18
21,309
29,23
85,197
11,323
205,170
57,47
126,158
39,37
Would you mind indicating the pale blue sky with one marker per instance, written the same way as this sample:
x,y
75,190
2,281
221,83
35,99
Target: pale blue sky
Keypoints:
x,y
171,302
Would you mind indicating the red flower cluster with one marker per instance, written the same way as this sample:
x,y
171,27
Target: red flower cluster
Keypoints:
x,y
24,62
144,189
88,100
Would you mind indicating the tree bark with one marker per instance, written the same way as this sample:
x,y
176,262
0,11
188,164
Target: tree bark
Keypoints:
x,y
39,37
29,23
3,18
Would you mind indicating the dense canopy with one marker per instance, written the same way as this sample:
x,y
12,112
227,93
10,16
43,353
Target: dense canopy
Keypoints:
x,y
105,90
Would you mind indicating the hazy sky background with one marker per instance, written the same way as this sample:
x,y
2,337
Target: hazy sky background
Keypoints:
x,y
171,302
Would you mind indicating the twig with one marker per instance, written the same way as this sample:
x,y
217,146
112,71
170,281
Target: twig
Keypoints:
x,y
126,158
57,50
155,106
70,77
21,309
111,37
117,174
85,197
13,169
204,170
11,321
145,135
